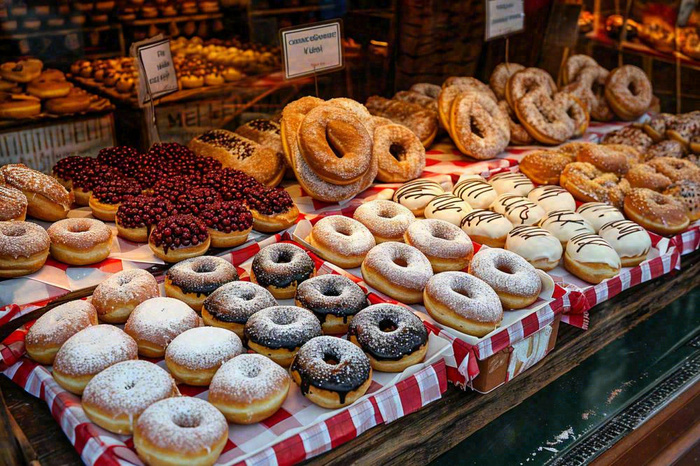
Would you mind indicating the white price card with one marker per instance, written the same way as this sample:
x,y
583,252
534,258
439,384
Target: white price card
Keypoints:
x,y
157,77
504,17
310,49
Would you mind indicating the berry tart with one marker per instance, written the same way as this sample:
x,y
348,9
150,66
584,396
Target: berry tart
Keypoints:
x,y
106,196
123,158
228,223
231,184
69,167
172,188
273,209
84,182
179,237
196,200
139,214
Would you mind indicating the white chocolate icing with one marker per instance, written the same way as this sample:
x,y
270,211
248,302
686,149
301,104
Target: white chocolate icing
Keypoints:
x,y
589,248
512,183
552,197
598,214
627,238
447,207
476,191
534,243
565,224
518,209
485,223
417,193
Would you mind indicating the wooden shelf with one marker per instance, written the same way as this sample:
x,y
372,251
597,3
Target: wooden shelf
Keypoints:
x,y
59,32
290,10
173,19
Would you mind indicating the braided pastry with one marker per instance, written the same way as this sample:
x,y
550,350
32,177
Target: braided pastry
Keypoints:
x,y
529,81
543,118
588,85
518,133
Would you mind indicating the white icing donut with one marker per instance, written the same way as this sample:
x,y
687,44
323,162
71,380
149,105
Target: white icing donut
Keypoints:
x,y
552,197
589,248
447,207
386,220
536,245
518,209
512,183
565,224
417,193
476,191
481,223
627,238
598,214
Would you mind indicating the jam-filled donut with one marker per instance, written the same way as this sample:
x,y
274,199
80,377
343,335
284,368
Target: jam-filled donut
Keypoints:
x,y
397,270
228,223
416,194
628,91
565,224
445,245
551,198
598,214
487,227
117,296
518,209
334,299
13,204
392,337
516,282
447,207
231,305
536,245
463,302
24,248
591,258
280,268
52,329
331,372
80,241
192,280
156,322
631,242
386,220
107,195
115,398
89,352
136,216
279,331
478,193
341,240
194,356
182,430
179,237
399,153
662,214
511,183
249,388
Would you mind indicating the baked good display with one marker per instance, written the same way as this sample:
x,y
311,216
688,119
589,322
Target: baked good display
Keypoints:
x,y
478,110
628,91
631,242
536,245
591,258
397,270
80,241
230,305
50,331
588,184
386,220
598,214
515,280
341,240
688,193
179,237
47,199
602,158
193,280
136,216
334,300
463,302
518,209
416,194
444,244
565,224
476,191
585,79
630,136
447,207
656,212
643,175
511,183
392,337
106,197
13,204
331,372
423,123
399,153
280,268
552,197
544,166
278,332
249,388
118,295
24,248
487,227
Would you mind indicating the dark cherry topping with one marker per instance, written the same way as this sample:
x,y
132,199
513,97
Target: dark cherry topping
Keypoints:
x,y
120,157
204,165
227,216
69,167
141,211
172,188
231,184
90,177
179,231
116,190
269,201
196,200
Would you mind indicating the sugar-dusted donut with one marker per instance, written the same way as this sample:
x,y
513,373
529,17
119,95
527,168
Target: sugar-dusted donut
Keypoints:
x,y
656,212
676,169
518,134
591,258
117,296
24,248
47,199
399,153
644,175
280,268
536,245
477,110
588,184
397,270
386,220
516,282
500,76
604,160
446,246
80,241
334,299
13,204
341,240
628,91
231,305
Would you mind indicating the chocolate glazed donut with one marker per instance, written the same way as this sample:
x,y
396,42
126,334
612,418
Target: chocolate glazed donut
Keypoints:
x,y
280,268
334,299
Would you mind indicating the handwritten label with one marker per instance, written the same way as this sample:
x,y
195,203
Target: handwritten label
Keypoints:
x,y
504,17
312,49
157,77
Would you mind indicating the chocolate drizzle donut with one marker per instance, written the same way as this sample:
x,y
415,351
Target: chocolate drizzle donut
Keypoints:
x,y
331,295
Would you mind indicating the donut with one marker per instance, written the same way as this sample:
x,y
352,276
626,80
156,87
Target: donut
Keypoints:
x,y
194,356
631,242
50,331
683,127
544,166
550,120
479,128
598,214
47,199
536,245
392,337
107,195
137,215
230,305
416,194
515,280
412,97
591,258
180,430
397,270
643,175
89,352
273,209
249,388
518,133
334,300
422,122
630,136
18,106
21,71
529,81
666,148
117,296
279,331
487,227
427,89
500,76
463,302
179,237
511,183
80,241
604,160
331,372
154,323
633,156
662,214
280,268
386,220
656,126
399,153
565,224
115,398
13,204
341,240
49,87
575,110
445,245
470,83
478,193
518,209
688,193
628,91
447,207
264,132
24,248
358,110
676,169
575,65
551,197
193,280
588,184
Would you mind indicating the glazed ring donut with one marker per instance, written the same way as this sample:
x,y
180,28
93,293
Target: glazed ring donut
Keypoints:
x,y
604,160
463,302
518,133
500,76
628,91
645,176
80,241
656,212
392,337
280,268
529,81
399,153
588,184
231,305
341,240
249,388
115,398
52,329
329,131
445,245
331,372
117,296
192,280
479,128
575,109
688,193
386,220
334,300
181,430
24,248
397,270
676,169
544,166
544,118
516,282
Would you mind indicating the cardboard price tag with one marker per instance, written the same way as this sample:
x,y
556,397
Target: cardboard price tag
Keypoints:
x,y
157,77
503,18
312,49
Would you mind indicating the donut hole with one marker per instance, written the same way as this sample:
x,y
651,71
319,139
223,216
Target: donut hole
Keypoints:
x,y
15,232
387,325
123,280
385,214
397,151
505,268
284,257
400,261
129,385
247,295
185,421
283,319
78,228
331,291
252,372
343,230
206,267
476,130
334,134
330,359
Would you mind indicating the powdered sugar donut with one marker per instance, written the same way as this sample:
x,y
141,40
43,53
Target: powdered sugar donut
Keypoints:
x,y
231,305
386,220
80,241
117,296
536,245
628,91
591,258
511,183
487,227
478,110
445,245
631,242
476,191
341,240
565,224
334,300
416,194
397,270
500,76
192,280
13,204
518,209
552,197
598,214
516,282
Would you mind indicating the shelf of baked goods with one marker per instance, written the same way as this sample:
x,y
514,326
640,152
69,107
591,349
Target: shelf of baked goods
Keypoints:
x,y
59,32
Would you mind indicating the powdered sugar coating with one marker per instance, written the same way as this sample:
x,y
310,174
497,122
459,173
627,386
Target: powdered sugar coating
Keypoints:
x,y
127,286
160,320
203,348
552,197
282,327
202,274
406,335
32,181
248,378
437,238
505,271
384,218
13,203
466,295
79,233
237,301
22,239
414,275
565,224
343,235
94,349
511,183
282,264
61,323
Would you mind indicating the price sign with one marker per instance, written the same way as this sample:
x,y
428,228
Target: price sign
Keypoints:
x,y
157,76
504,17
312,49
